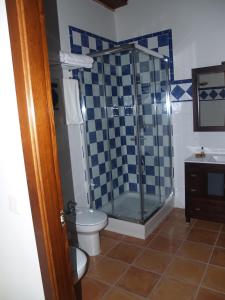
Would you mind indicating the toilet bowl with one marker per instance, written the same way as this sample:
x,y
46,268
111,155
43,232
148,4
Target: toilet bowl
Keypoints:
x,y
89,222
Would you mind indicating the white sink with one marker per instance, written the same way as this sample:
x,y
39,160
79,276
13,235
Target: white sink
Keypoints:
x,y
79,259
219,158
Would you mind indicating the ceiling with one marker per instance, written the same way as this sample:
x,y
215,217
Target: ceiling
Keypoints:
x,y
112,4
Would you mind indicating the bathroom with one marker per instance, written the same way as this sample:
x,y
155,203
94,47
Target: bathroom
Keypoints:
x,y
189,34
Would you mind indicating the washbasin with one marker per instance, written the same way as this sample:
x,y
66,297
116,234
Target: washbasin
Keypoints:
x,y
79,260
219,158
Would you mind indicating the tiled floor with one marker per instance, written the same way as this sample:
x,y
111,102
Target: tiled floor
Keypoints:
x,y
178,261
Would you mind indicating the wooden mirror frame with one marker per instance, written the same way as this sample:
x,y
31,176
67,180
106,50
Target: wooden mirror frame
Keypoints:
x,y
195,73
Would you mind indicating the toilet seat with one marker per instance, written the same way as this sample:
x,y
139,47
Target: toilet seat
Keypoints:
x,y
89,220
89,217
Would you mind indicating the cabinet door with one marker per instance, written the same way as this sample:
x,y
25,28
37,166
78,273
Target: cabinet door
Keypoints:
x,y
215,182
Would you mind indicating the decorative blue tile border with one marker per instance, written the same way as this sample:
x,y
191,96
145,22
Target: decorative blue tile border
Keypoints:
x,y
85,42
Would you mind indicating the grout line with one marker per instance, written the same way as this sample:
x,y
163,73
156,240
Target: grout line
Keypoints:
x,y
163,275
207,265
173,256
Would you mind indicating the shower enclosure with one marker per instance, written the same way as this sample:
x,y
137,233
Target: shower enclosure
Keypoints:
x,y
126,106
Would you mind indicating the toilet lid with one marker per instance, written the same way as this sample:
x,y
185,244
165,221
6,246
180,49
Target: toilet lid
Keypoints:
x,y
88,217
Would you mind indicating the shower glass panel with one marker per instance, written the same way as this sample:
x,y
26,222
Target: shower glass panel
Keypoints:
x,y
126,106
148,132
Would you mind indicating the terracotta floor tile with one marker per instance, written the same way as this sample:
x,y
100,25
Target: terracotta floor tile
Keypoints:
x,y
125,252
93,289
153,261
107,244
207,225
215,278
171,289
195,251
186,270
138,242
218,257
164,244
111,234
174,230
92,261
118,294
202,236
205,294
107,270
221,240
177,217
138,281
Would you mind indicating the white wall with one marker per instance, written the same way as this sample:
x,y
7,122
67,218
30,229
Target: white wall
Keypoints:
x,y
19,266
84,14
197,28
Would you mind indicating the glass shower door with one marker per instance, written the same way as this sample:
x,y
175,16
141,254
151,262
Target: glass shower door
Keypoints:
x,y
147,134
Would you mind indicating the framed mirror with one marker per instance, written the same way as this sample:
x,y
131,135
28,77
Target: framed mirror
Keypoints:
x,y
208,90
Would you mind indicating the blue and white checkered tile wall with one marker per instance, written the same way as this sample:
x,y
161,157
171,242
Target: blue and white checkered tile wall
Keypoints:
x,y
116,74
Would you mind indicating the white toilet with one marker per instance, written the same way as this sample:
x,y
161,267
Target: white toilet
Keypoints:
x,y
89,222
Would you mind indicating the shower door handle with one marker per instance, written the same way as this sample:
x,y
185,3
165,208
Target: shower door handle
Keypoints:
x,y
142,161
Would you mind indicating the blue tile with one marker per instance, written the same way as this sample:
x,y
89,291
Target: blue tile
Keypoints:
x,y
126,70
98,124
124,159
177,92
96,181
100,147
107,79
94,78
98,203
143,43
129,130
117,131
189,91
150,189
99,45
133,187
120,171
90,113
88,90
112,143
76,49
115,183
96,101
114,163
150,170
127,90
84,40
112,70
119,80
130,150
103,189
163,40
132,169
114,91
118,151
101,168
125,177
94,160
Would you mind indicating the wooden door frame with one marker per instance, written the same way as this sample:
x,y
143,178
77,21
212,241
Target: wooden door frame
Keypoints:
x,y
33,90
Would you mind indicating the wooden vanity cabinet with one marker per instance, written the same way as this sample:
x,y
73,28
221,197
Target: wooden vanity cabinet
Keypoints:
x,y
205,191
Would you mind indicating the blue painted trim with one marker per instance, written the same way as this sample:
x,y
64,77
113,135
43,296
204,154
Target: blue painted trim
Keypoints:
x,y
181,81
